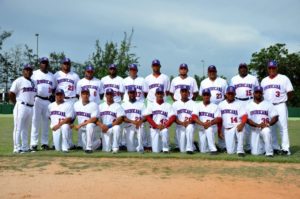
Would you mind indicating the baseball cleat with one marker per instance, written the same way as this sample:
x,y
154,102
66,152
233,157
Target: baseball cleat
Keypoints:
x,y
45,147
269,156
241,154
34,148
213,153
88,151
190,152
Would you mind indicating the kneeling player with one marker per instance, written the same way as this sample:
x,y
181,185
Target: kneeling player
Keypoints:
x,y
261,116
61,114
206,115
87,115
183,108
111,116
160,116
134,119
234,118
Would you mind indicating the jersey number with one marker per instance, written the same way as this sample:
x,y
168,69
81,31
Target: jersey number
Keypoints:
x,y
265,120
71,87
277,94
248,93
219,96
234,120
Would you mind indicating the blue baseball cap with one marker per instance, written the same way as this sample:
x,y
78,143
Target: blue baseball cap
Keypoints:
x,y
65,60
89,68
212,68
183,65
44,59
111,66
184,87
109,90
131,89
160,89
243,65
59,91
85,89
272,64
206,91
27,66
133,67
258,89
155,62
230,89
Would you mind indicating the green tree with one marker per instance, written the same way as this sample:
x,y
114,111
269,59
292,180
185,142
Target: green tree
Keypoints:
x,y
288,64
54,61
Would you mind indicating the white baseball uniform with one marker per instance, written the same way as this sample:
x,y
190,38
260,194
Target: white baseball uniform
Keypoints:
x,y
244,87
152,83
178,82
258,113
108,114
275,91
134,111
45,85
161,113
183,111
139,84
231,114
114,83
83,113
25,91
207,113
217,89
56,113
95,87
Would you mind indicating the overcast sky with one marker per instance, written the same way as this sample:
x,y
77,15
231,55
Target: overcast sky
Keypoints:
x,y
223,33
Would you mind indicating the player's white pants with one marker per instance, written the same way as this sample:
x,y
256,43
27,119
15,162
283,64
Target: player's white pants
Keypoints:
x,y
22,121
221,142
88,138
40,120
234,140
70,134
130,132
110,139
186,137
147,135
60,138
160,140
207,139
283,128
247,128
257,135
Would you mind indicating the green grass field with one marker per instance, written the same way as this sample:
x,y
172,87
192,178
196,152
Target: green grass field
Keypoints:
x,y
6,148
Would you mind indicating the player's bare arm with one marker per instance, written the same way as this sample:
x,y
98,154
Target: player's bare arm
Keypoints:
x,y
62,122
290,95
240,127
104,128
274,120
195,119
12,97
91,120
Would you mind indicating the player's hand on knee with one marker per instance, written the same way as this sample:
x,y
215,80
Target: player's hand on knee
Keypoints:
x,y
240,127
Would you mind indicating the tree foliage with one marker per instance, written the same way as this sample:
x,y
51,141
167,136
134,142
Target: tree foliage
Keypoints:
x,y
288,64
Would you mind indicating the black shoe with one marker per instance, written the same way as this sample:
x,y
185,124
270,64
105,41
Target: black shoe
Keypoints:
x,y
190,152
241,154
52,148
221,150
45,147
277,152
166,152
148,149
176,149
248,151
122,148
88,151
73,147
79,148
283,152
196,146
213,153
269,156
34,148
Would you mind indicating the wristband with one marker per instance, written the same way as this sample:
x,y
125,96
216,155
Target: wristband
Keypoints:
x,y
109,126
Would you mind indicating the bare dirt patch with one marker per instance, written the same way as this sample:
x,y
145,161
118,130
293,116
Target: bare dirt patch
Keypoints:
x,y
25,177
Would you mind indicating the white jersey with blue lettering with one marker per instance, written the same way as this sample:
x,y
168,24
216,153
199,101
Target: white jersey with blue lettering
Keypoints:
x,y
244,86
231,113
95,87
24,89
134,111
178,82
67,82
45,83
184,110
152,83
276,89
58,112
160,112
109,113
85,112
261,112
139,84
114,83
217,89
206,112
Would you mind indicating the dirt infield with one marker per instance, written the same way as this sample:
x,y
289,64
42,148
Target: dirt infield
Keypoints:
x,y
25,177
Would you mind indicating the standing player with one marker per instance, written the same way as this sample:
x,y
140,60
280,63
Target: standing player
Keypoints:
x,y
244,84
234,118
134,121
183,80
160,116
134,80
261,116
67,81
217,87
87,115
206,115
45,87
183,109
90,82
278,90
111,117
113,82
21,94
60,114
